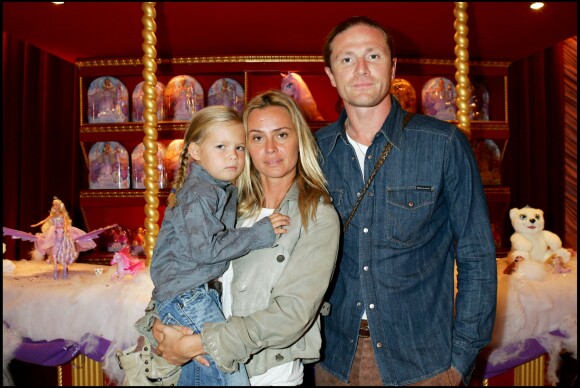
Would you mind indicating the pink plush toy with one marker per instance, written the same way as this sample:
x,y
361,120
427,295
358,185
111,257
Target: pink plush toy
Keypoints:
x,y
126,264
294,86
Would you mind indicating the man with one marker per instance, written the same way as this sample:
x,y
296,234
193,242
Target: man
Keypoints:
x,y
392,319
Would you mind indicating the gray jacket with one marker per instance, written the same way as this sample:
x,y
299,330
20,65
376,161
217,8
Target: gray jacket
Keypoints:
x,y
277,294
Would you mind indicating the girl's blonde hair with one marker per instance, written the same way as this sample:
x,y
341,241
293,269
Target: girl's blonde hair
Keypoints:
x,y
309,177
197,132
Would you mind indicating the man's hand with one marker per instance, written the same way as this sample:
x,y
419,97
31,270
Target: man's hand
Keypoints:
x,y
178,344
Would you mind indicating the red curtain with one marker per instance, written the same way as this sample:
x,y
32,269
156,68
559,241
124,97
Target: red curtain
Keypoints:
x,y
534,160
41,152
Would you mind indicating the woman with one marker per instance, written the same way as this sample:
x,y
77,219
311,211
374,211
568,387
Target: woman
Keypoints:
x,y
274,295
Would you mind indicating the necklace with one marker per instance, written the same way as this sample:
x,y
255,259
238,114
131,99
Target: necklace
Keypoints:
x,y
358,146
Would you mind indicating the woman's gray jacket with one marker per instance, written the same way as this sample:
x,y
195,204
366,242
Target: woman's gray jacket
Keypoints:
x,y
277,294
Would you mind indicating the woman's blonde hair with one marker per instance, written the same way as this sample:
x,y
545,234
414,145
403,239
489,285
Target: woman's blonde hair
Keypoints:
x,y
196,132
309,177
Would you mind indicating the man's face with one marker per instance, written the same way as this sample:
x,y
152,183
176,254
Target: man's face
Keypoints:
x,y
361,66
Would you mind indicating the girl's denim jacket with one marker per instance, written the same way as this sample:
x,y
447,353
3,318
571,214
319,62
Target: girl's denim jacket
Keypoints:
x,y
198,237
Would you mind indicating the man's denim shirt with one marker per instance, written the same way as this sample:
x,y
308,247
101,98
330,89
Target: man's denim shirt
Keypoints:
x,y
425,207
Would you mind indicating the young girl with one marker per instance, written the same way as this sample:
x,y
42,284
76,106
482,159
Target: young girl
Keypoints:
x,y
197,238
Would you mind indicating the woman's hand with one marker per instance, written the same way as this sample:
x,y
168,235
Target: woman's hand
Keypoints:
x,y
279,221
178,344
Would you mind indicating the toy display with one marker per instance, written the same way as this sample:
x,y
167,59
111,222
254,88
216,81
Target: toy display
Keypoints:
x,y
172,159
478,102
294,86
228,92
108,166
183,97
138,241
530,242
115,238
405,94
58,240
108,101
488,158
126,264
438,96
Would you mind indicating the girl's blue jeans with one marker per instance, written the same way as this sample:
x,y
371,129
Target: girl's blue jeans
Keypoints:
x,y
193,308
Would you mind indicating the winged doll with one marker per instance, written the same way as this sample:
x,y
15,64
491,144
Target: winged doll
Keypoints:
x,y
58,241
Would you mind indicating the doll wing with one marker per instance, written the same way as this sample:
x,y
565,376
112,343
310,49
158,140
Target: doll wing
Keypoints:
x,y
17,234
93,234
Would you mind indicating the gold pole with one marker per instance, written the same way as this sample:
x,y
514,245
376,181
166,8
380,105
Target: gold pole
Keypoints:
x,y
59,376
150,128
462,65
531,373
87,372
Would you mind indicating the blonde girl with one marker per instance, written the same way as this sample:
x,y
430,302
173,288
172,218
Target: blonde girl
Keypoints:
x,y
198,238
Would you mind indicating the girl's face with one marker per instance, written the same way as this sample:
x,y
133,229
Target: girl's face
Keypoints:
x,y
222,152
273,142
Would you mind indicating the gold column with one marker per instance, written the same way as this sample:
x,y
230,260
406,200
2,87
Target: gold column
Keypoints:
x,y
530,374
150,128
86,372
462,65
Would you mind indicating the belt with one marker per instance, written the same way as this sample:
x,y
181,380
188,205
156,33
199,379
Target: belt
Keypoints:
x,y
216,285
364,331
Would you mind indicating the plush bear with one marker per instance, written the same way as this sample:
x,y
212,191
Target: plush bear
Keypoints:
x,y
530,241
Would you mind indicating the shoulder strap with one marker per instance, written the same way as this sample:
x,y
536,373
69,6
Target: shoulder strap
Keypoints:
x,y
378,165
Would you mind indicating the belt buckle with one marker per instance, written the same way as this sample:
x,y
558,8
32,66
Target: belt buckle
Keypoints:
x,y
364,331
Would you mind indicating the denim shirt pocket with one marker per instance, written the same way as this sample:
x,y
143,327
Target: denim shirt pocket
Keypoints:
x,y
408,210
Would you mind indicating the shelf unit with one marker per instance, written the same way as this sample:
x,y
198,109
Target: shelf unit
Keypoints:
x,y
256,74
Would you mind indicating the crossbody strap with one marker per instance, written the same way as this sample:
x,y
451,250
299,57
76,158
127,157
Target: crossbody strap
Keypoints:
x,y
378,165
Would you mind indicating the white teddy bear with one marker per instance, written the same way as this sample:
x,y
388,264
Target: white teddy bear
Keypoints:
x,y
530,241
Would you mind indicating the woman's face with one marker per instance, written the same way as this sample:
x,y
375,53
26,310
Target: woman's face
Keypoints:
x,y
272,142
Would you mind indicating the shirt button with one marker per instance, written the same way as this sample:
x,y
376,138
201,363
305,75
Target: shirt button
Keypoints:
x,y
280,258
358,304
371,194
366,230
371,306
370,156
379,344
279,357
366,268
358,194
411,204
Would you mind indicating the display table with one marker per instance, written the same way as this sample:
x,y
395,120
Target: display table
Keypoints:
x,y
536,316
87,314
93,315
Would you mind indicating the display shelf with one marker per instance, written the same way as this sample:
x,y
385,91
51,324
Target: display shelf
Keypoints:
x,y
257,73
124,207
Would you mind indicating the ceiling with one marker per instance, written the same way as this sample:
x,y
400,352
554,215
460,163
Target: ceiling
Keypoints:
x,y
504,31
